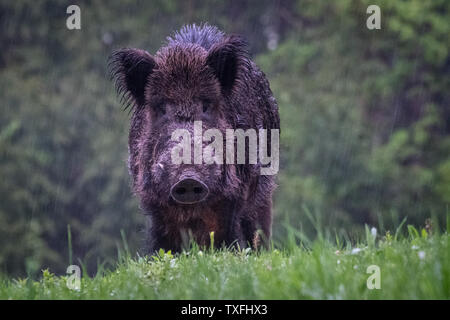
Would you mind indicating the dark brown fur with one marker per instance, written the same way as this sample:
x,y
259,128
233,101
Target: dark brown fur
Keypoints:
x,y
200,74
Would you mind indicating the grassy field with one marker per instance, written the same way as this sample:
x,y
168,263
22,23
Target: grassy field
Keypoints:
x,y
415,266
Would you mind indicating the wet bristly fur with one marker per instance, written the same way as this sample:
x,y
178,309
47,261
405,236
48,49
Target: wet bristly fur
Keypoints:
x,y
199,74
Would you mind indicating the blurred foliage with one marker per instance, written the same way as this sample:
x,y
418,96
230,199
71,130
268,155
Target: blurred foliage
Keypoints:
x,y
365,117
365,113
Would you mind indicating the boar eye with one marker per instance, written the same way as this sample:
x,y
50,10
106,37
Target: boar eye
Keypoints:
x,y
206,106
160,108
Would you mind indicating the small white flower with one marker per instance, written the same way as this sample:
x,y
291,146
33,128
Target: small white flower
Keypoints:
x,y
414,247
373,231
200,253
421,255
355,266
356,250
339,262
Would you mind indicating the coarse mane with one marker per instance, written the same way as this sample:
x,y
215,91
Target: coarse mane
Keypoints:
x,y
204,35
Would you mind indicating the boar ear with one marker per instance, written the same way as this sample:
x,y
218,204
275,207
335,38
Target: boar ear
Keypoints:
x,y
130,68
226,59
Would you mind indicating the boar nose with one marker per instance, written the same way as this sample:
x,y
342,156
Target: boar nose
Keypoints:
x,y
189,191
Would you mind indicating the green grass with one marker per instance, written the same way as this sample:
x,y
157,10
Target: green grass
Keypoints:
x,y
414,267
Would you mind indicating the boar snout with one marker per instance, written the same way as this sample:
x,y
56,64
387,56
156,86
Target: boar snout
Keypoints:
x,y
189,191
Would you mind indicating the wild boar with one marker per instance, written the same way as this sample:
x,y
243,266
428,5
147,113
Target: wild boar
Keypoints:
x,y
200,76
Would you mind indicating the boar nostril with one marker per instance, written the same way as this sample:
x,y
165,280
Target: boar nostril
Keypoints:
x,y
180,190
189,191
198,190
